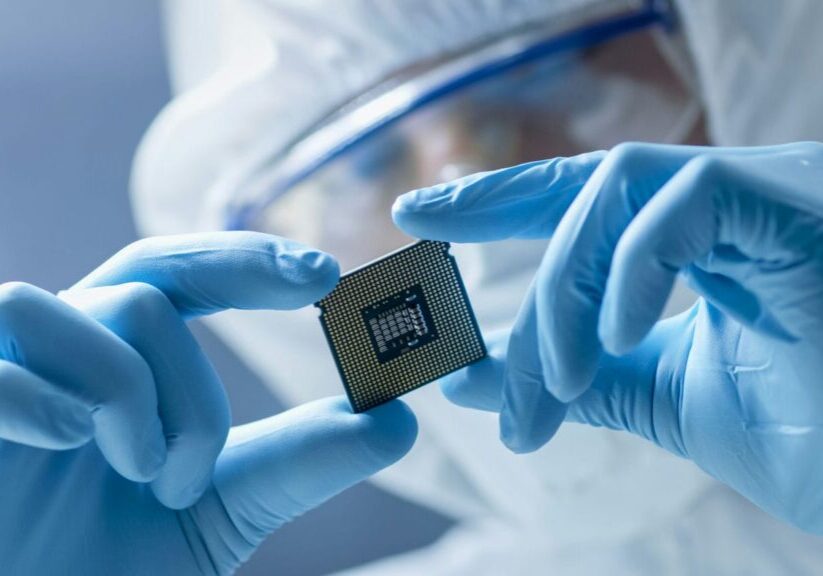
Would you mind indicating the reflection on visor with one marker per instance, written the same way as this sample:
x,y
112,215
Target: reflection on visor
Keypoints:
x,y
334,189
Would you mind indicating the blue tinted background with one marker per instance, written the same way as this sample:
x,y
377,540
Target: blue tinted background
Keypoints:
x,y
79,83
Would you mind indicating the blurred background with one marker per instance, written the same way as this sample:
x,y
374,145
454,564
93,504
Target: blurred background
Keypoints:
x,y
79,83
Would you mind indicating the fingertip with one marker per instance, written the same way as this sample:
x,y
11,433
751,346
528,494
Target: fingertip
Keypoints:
x,y
391,430
613,346
478,387
325,268
510,433
453,388
136,459
608,330
569,366
565,389
403,206
516,443
322,263
151,465
412,211
175,500
144,469
422,199
171,496
615,341
525,433
308,274
530,415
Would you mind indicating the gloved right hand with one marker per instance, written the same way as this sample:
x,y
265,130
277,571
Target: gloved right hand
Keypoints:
x,y
157,491
733,384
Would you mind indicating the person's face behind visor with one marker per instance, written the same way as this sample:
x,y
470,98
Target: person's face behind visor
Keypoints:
x,y
559,106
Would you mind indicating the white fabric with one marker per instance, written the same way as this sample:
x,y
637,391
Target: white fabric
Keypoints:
x,y
283,65
719,534
759,63
592,501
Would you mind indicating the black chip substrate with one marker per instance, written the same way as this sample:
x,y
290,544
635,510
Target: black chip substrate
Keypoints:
x,y
400,322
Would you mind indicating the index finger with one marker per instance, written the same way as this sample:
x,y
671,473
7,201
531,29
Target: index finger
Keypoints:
x,y
525,201
208,272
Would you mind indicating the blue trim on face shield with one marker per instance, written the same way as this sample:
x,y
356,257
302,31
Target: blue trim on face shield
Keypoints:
x,y
240,216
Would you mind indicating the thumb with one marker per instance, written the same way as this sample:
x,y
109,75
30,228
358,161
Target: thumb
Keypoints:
x,y
641,392
274,470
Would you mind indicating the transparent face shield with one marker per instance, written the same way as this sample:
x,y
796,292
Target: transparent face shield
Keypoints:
x,y
557,89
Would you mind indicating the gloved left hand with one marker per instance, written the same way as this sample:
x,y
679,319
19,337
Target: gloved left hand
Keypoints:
x,y
734,383
157,492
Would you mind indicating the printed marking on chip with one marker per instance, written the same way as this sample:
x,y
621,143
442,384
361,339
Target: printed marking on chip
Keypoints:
x,y
400,322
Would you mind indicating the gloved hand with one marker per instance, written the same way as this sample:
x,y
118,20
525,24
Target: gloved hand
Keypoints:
x,y
734,383
112,360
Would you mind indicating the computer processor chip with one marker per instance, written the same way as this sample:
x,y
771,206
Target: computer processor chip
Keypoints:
x,y
400,322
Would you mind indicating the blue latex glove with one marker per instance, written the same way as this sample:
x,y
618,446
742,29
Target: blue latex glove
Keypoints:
x,y
733,384
112,360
